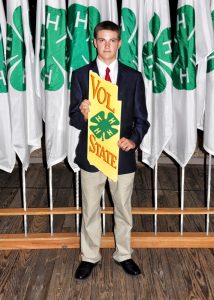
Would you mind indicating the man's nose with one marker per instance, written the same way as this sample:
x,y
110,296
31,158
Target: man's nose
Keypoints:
x,y
107,43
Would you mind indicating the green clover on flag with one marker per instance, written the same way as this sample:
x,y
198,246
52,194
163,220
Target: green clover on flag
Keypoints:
x,y
16,51
184,71
128,53
3,76
53,48
81,23
157,55
210,62
104,128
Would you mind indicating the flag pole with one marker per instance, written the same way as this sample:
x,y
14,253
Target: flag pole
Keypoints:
x,y
24,199
51,198
77,203
103,215
182,199
208,193
156,196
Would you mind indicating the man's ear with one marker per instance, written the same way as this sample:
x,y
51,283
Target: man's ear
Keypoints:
x,y
95,43
119,44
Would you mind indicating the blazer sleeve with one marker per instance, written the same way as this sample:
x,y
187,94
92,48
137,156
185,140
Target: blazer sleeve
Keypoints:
x,y
141,124
76,97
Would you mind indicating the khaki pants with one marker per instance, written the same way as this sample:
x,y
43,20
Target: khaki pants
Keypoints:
x,y
92,185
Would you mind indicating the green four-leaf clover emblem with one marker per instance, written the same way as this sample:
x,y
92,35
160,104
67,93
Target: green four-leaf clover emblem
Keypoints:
x,y
157,55
210,63
184,71
81,23
53,48
128,52
104,128
16,51
3,76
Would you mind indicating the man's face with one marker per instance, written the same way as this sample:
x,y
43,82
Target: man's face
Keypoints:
x,y
107,43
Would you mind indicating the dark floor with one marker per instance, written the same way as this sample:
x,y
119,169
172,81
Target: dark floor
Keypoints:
x,y
48,274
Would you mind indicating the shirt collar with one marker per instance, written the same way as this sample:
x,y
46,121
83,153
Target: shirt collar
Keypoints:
x,y
102,66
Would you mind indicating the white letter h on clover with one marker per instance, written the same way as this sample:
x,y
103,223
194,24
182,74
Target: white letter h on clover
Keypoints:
x,y
184,75
42,45
78,20
2,77
56,23
9,39
182,21
49,77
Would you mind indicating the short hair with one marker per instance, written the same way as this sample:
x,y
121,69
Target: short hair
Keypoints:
x,y
106,25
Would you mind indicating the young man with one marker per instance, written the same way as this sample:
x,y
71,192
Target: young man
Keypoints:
x,y
134,126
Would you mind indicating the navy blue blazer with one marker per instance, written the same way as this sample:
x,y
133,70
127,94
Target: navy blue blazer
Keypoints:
x,y
134,124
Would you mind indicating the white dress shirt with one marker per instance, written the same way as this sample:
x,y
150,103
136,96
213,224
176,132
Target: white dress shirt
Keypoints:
x,y
113,69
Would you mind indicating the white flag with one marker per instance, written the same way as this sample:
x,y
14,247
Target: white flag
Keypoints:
x,y
25,110
146,46
83,16
194,41
7,153
209,104
51,76
202,63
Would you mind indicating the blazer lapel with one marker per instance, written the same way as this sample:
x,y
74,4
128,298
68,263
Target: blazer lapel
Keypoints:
x,y
94,67
121,81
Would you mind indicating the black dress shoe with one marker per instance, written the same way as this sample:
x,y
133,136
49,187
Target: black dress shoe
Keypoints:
x,y
84,269
130,267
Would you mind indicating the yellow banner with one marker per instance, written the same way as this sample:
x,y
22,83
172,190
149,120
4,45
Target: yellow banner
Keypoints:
x,y
104,126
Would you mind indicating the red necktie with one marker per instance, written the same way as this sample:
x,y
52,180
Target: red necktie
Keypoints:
x,y
107,77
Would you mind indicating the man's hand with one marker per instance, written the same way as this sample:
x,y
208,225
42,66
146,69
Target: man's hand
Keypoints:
x,y
84,108
126,144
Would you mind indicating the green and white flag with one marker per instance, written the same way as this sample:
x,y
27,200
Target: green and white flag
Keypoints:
x,y
146,46
209,103
25,110
201,75
157,66
51,76
7,153
193,42
83,16
132,15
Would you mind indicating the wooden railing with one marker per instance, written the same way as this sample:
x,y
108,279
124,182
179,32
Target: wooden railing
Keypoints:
x,y
139,239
